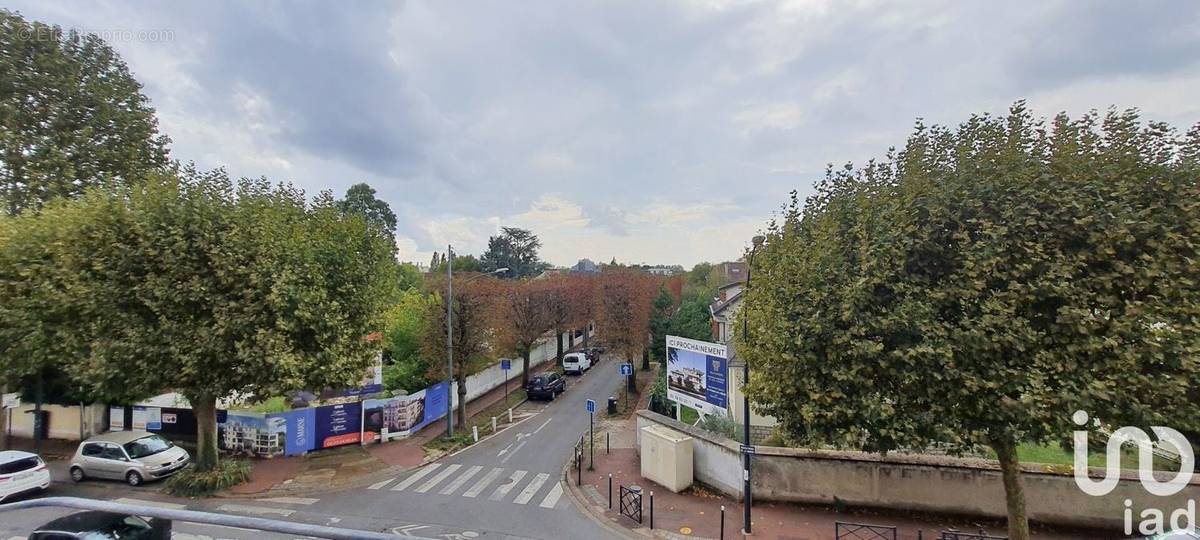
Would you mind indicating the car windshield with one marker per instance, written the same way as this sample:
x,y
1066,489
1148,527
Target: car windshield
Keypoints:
x,y
146,446
538,381
16,466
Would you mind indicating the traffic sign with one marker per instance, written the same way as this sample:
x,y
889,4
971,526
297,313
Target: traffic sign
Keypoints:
x,y
505,364
591,405
747,449
626,369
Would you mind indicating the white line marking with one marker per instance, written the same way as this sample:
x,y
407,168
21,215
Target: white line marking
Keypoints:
x,y
449,470
544,425
462,479
483,483
379,485
506,487
247,509
156,504
552,497
513,453
292,500
532,488
416,476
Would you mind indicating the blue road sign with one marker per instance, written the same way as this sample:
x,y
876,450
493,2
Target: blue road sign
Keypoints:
x,y
505,364
626,369
591,405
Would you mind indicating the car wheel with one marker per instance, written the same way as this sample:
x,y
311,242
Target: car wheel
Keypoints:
x,y
77,474
133,478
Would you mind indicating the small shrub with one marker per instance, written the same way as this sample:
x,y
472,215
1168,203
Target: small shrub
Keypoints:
x,y
193,483
720,424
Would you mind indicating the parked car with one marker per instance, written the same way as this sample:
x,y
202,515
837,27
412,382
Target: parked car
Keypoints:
x,y
103,525
593,354
132,456
546,386
576,363
22,472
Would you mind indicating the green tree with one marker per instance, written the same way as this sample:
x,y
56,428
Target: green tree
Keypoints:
x,y
462,263
405,325
515,249
209,287
981,285
660,317
360,199
408,277
73,116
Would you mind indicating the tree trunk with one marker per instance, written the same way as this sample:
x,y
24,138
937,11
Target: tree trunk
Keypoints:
x,y
462,396
1014,489
205,408
631,381
645,358
3,421
558,359
585,336
525,368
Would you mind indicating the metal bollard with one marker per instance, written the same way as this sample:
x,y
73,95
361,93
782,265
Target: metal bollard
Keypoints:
x,y
579,469
607,438
475,433
493,424
920,534
510,415
722,522
652,510
610,491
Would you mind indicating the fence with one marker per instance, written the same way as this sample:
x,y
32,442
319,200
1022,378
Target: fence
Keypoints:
x,y
866,531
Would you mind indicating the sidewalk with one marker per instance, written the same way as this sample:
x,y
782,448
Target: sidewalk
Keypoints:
x,y
697,511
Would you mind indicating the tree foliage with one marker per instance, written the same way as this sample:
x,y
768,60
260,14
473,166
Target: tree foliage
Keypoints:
x,y
623,301
472,332
202,285
515,249
523,314
981,285
73,116
406,323
360,199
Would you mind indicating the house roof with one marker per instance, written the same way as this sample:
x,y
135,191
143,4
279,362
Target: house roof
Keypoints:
x,y
717,307
730,284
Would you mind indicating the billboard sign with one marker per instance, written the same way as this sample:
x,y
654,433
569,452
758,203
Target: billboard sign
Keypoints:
x,y
337,425
401,416
697,374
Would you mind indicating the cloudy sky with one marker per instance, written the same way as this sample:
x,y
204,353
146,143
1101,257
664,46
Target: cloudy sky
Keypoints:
x,y
657,132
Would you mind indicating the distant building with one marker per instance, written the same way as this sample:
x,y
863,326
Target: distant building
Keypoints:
x,y
731,271
585,266
723,308
665,270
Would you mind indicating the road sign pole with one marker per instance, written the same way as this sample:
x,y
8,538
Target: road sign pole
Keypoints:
x,y
592,435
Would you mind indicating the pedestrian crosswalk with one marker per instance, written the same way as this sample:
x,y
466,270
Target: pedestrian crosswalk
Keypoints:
x,y
498,483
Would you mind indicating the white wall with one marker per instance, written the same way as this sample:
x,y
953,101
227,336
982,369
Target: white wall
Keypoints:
x,y
64,421
493,377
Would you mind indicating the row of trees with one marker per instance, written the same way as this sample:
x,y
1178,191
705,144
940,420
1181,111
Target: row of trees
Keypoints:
x,y
981,285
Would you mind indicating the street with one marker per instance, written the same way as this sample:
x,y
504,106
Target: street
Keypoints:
x,y
507,486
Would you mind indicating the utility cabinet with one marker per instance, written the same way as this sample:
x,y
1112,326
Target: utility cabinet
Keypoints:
x,y
667,457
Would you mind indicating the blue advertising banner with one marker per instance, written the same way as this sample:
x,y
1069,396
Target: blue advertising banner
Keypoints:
x,y
435,404
300,435
337,425
697,374
252,434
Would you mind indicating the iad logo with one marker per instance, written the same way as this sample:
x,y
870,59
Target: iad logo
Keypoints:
x,y
1112,459
1153,520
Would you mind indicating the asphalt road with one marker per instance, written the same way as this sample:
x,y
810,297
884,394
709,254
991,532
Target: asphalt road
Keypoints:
x,y
505,487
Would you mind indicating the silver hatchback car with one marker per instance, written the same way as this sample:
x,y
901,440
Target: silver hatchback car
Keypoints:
x,y
132,456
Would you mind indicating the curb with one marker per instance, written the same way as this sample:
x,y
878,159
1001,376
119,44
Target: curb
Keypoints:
x,y
579,499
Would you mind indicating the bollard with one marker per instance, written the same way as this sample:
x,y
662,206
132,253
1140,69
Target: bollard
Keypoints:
x,y
579,469
652,510
920,534
607,438
722,522
493,424
610,491
510,415
475,433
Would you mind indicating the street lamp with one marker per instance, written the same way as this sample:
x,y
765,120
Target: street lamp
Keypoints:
x,y
757,241
450,334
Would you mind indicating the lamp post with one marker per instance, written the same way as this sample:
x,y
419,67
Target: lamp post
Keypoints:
x,y
746,495
450,334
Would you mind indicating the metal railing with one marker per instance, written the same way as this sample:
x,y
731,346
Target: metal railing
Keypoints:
x,y
631,503
958,535
863,531
209,518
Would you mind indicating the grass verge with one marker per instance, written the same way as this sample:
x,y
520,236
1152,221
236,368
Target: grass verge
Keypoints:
x,y
193,483
482,420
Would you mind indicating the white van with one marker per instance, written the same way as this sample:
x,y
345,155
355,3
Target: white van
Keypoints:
x,y
576,363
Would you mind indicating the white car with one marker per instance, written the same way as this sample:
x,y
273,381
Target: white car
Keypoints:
x,y
576,363
22,472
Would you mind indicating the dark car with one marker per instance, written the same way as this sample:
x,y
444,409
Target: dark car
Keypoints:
x,y
105,525
546,386
593,353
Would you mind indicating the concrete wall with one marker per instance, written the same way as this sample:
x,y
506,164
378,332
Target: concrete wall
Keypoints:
x,y
936,484
493,377
64,421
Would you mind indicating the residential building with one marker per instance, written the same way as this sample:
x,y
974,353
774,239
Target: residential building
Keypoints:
x,y
732,271
724,309
585,266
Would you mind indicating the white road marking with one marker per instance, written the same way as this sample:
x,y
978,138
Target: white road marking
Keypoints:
x,y
292,500
552,497
544,425
506,487
156,504
261,510
517,440
449,470
513,453
416,476
408,530
379,485
483,483
532,488
462,479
